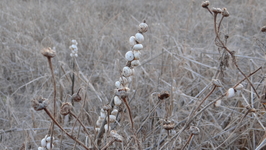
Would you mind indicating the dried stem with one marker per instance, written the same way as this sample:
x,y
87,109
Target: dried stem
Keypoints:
x,y
190,137
129,112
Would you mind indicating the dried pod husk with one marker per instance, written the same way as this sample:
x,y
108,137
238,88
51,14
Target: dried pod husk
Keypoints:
x,y
138,47
135,63
115,135
143,27
132,41
217,82
139,37
239,87
225,12
263,29
65,108
117,101
136,54
127,71
163,95
107,107
39,103
76,97
169,126
48,52
205,4
216,10
194,130
230,93
129,56
114,112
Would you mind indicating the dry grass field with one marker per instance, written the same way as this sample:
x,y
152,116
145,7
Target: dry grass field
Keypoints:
x,y
181,56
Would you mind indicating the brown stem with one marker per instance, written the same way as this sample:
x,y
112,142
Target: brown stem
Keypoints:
x,y
108,144
190,137
129,112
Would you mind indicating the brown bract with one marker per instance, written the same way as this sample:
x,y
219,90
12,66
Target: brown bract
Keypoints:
x,y
65,108
48,52
225,12
263,29
163,95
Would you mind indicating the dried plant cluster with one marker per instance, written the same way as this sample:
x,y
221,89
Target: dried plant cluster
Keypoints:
x,y
198,83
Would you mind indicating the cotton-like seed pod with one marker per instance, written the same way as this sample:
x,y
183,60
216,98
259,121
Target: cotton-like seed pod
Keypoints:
x,y
127,71
129,79
129,56
118,84
97,129
74,42
43,142
100,118
98,123
138,47
239,87
139,37
48,139
132,41
143,27
123,81
230,93
225,12
218,103
112,118
136,54
48,146
106,127
135,63
114,112
117,101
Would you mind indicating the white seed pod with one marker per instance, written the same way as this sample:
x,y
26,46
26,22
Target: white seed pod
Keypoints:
x,y
143,27
139,37
135,63
106,127
138,47
48,139
41,148
112,118
239,87
218,103
102,115
136,54
118,84
129,56
123,81
132,41
230,93
48,146
43,142
117,101
97,129
129,79
114,112
127,71
99,123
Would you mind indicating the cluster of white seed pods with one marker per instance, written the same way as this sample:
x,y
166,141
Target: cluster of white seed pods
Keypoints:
x,y
132,57
231,92
46,143
74,49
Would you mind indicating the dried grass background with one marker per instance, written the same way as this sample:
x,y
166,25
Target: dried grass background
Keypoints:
x,y
179,55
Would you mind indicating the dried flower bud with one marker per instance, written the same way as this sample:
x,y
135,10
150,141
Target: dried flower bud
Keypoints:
x,y
216,10
169,126
65,108
194,130
76,97
143,27
115,135
217,82
263,29
230,93
163,95
225,12
48,52
205,4
39,103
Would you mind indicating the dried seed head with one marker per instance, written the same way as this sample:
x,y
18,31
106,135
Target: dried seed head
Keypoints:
x,y
230,93
65,108
48,52
163,95
143,27
115,135
217,82
114,112
169,125
112,118
117,101
205,4
216,10
225,12
263,29
76,97
239,87
194,130
39,103
129,56
107,107
218,103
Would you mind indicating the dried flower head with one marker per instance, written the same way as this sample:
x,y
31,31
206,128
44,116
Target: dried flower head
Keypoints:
x,y
65,108
107,107
143,27
205,4
76,97
48,52
39,103
167,125
216,10
263,29
194,130
217,82
115,135
225,12
163,95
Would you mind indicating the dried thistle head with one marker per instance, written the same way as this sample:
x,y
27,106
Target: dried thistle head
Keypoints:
x,y
48,52
116,136
263,29
205,4
39,103
163,95
216,10
76,97
194,130
65,108
225,12
167,125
